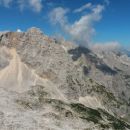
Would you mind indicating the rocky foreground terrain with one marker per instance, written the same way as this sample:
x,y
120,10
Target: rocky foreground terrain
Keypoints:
x,y
47,84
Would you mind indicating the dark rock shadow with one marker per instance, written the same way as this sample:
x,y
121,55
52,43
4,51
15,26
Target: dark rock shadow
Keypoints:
x,y
92,58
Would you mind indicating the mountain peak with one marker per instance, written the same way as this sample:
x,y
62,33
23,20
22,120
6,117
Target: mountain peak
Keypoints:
x,y
34,31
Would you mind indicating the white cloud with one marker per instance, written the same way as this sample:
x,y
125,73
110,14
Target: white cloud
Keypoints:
x,y
58,15
108,46
86,6
107,2
35,5
5,3
80,30
21,4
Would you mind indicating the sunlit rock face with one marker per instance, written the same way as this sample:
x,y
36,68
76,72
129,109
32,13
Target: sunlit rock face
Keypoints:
x,y
47,84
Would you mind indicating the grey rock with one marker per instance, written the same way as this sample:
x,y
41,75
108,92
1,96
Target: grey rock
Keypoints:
x,y
49,86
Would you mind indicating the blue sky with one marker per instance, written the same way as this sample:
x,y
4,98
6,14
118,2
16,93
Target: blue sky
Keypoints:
x,y
102,21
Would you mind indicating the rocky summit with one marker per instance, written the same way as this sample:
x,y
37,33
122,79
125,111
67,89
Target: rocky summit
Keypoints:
x,y
49,84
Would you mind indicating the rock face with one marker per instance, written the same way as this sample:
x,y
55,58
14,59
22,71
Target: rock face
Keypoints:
x,y
50,85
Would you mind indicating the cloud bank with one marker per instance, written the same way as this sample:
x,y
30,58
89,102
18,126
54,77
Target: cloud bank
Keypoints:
x,y
82,29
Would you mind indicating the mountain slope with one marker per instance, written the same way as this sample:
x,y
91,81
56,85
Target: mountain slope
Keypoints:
x,y
50,85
